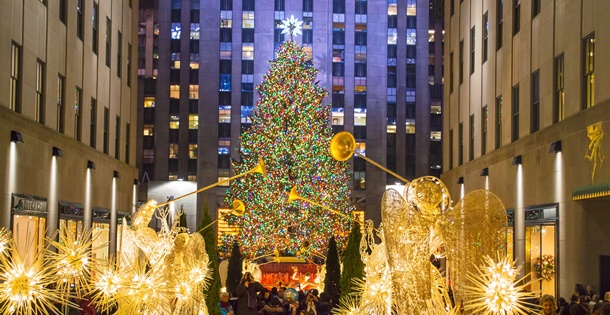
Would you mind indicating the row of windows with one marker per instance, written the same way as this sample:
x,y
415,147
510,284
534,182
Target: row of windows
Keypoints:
x,y
558,103
15,91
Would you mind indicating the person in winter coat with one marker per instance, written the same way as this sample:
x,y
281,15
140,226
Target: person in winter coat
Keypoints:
x,y
247,291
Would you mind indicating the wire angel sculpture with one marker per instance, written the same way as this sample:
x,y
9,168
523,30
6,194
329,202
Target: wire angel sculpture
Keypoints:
x,y
474,228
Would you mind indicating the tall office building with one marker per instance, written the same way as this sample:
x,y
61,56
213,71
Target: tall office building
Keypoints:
x,y
68,101
201,61
525,112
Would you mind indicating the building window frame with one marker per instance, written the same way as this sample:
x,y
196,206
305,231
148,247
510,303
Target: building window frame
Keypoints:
x,y
80,23
485,35
39,106
588,65
78,117
515,108
16,74
93,123
498,120
535,104
471,138
472,49
484,123
516,16
461,61
499,23
61,102
558,88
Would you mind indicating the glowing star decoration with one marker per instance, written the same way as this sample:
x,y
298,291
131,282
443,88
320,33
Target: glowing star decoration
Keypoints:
x,y
106,281
495,289
73,260
25,288
292,26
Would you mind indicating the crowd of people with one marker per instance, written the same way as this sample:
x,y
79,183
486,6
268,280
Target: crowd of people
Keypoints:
x,y
582,302
254,299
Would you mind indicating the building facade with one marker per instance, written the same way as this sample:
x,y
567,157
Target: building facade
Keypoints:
x,y
68,103
199,66
526,109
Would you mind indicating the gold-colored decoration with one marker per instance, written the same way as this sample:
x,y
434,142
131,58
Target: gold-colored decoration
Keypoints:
x,y
237,209
595,151
476,227
495,289
73,261
343,146
294,195
415,228
27,288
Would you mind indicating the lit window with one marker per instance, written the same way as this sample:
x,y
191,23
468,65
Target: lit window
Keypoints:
x,y
194,92
246,113
248,19
195,30
337,116
392,36
175,31
225,51
411,7
360,148
192,151
174,91
392,9
247,51
172,177
149,101
149,130
226,19
192,178
193,121
411,33
435,109
410,124
359,116
174,122
173,150
224,114
435,136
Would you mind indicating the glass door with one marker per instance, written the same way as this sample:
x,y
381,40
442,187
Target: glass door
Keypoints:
x,y
540,249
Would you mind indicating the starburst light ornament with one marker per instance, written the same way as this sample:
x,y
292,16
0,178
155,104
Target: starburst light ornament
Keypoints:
x,y
292,26
495,289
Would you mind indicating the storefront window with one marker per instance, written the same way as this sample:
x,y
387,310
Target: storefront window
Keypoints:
x,y
28,232
74,228
101,237
29,223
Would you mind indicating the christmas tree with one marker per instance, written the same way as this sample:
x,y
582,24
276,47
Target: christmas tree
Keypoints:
x,y
352,258
212,292
291,133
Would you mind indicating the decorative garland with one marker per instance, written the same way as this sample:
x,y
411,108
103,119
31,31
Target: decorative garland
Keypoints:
x,y
545,267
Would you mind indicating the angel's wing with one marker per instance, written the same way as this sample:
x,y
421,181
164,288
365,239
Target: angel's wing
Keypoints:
x,y
195,250
406,235
474,228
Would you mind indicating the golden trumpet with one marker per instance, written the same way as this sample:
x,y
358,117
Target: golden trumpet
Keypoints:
x,y
259,168
294,195
343,146
237,208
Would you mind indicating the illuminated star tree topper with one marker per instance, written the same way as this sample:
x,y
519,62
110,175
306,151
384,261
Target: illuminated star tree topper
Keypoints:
x,y
292,26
